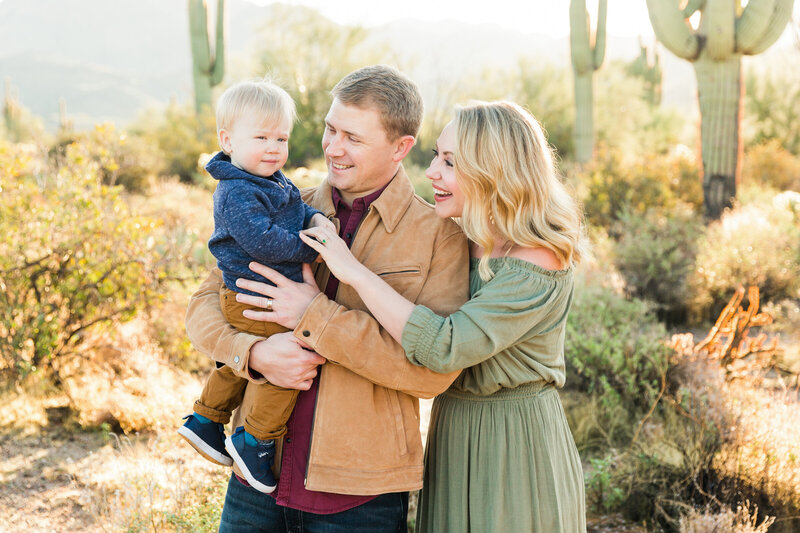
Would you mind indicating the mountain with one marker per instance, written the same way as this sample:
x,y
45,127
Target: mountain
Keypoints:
x,y
110,60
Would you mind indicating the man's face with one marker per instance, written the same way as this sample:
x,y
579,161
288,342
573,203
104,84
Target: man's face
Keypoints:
x,y
360,157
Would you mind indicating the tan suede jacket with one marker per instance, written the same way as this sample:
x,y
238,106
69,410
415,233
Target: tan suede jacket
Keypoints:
x,y
365,437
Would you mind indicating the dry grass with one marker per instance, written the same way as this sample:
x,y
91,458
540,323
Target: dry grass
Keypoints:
x,y
155,483
762,454
727,521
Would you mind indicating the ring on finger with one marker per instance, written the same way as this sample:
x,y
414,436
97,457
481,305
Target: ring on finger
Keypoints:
x,y
268,307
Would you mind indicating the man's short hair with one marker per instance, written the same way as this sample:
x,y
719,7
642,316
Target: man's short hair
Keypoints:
x,y
396,98
260,97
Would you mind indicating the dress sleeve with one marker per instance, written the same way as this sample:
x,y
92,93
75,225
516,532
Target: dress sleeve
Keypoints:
x,y
511,307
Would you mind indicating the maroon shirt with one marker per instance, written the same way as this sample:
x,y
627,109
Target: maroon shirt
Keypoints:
x,y
291,491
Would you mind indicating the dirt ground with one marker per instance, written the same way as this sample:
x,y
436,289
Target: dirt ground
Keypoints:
x,y
43,479
39,491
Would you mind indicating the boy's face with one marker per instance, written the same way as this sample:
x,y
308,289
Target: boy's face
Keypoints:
x,y
360,157
257,147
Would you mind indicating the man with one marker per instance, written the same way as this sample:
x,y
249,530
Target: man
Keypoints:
x,y
362,409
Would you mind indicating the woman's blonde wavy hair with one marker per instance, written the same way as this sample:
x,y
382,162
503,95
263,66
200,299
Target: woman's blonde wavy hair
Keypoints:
x,y
505,169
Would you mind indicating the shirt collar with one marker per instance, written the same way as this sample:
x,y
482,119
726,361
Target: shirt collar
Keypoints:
x,y
362,202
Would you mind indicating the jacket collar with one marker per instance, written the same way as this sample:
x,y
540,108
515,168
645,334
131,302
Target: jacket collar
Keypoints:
x,y
390,205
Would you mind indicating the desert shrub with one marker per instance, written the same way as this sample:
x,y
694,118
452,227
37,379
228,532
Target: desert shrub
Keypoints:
x,y
121,159
754,244
614,349
769,164
611,184
772,100
625,120
73,257
655,253
180,136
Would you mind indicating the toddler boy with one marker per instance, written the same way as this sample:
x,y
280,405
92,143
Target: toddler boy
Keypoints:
x,y
258,213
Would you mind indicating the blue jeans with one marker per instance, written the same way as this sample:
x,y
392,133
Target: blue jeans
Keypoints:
x,y
247,510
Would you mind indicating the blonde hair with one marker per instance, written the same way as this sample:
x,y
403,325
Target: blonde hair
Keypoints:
x,y
260,97
504,166
396,98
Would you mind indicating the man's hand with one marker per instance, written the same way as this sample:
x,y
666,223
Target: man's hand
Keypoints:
x,y
283,361
287,299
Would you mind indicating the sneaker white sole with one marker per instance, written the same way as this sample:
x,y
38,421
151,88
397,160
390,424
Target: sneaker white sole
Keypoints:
x,y
256,484
204,449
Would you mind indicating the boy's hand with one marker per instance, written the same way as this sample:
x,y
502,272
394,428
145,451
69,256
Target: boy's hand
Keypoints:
x,y
319,221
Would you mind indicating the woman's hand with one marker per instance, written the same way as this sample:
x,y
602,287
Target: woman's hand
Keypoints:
x,y
285,302
335,253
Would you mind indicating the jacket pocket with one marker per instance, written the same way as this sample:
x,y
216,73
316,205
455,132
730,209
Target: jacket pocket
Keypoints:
x,y
406,279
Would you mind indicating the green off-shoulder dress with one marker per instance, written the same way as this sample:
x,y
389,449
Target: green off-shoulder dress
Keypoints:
x,y
500,456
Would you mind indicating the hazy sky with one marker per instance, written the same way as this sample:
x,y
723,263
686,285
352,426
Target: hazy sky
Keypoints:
x,y
549,17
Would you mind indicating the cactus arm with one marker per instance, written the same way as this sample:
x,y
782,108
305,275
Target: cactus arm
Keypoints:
x,y
218,70
781,13
198,28
719,18
692,6
599,51
580,47
753,23
672,30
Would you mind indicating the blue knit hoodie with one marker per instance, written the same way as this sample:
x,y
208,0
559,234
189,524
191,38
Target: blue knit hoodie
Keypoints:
x,y
257,219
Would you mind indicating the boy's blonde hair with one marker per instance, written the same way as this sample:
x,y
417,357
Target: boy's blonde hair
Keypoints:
x,y
260,97
504,165
394,96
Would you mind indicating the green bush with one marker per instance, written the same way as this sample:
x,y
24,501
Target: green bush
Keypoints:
x,y
612,184
772,100
753,244
614,349
655,252
73,257
770,165
181,137
121,159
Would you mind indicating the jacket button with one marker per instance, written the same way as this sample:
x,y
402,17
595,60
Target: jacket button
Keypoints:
x,y
306,333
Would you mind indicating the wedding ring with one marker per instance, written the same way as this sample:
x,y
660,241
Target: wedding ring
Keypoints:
x,y
269,304
323,241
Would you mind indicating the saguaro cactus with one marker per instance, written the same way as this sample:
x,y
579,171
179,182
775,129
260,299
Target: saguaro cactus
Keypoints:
x,y
725,33
648,67
208,67
587,56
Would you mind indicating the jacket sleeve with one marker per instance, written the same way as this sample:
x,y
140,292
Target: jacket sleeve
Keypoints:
x,y
211,334
333,330
249,222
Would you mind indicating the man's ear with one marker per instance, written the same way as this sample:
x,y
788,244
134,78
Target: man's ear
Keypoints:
x,y
224,141
403,145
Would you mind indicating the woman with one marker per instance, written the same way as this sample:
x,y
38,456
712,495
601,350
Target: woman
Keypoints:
x,y
500,454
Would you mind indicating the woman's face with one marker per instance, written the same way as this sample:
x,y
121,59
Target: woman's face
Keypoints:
x,y
446,193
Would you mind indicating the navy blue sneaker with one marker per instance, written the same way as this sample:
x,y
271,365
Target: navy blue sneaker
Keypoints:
x,y
207,438
255,462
